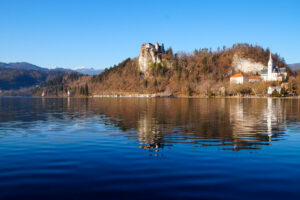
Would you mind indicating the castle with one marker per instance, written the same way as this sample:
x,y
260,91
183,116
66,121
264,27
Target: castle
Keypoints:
x,y
149,53
155,47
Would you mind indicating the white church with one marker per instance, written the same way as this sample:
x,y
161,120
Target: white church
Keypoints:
x,y
268,73
273,73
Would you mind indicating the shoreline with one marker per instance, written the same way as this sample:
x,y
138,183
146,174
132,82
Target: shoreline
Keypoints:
x,y
151,96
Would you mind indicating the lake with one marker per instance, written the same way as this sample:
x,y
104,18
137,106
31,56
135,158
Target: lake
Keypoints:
x,y
149,148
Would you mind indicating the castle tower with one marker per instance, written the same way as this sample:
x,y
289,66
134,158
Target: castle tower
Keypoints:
x,y
270,67
156,46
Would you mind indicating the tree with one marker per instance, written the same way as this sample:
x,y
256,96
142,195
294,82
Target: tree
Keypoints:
x,y
283,92
84,90
145,83
163,48
196,52
170,51
155,83
275,93
189,91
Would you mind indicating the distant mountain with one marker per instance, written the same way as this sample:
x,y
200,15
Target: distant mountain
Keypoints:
x,y
14,76
294,66
21,65
88,71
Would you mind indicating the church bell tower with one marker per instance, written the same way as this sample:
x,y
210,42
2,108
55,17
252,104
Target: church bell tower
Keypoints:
x,y
270,67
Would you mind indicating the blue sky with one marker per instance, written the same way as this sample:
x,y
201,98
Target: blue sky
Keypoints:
x,y
95,33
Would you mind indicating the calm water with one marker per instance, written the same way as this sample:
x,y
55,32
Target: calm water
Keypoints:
x,y
149,148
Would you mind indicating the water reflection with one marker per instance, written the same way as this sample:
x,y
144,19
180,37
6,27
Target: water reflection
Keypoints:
x,y
256,121
231,124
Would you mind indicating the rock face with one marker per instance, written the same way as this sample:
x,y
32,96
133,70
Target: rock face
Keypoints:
x,y
149,53
246,65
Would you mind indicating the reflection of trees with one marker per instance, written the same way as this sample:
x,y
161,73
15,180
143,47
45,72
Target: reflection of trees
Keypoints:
x,y
231,123
236,123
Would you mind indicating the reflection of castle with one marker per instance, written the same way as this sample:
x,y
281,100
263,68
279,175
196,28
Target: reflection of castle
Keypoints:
x,y
149,133
157,123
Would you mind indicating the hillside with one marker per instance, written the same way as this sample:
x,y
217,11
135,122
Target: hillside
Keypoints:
x,y
202,72
15,76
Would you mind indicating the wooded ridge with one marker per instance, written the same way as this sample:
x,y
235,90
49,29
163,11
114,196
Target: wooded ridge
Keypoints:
x,y
202,72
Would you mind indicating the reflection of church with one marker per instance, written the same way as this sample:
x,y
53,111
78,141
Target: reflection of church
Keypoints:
x,y
253,123
274,115
227,123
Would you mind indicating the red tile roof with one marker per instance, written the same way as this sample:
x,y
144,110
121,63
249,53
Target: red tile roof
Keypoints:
x,y
254,77
237,75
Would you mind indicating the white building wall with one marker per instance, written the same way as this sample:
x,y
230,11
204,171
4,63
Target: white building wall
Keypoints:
x,y
237,80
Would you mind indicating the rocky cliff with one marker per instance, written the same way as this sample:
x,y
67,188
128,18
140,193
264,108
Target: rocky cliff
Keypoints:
x,y
149,54
246,65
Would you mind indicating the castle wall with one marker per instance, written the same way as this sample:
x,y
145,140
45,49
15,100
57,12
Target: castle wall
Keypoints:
x,y
146,57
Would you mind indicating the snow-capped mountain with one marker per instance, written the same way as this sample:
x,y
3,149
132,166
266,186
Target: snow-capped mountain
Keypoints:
x,y
88,71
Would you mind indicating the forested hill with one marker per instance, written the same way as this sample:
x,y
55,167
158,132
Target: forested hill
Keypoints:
x,y
200,72
14,76
21,65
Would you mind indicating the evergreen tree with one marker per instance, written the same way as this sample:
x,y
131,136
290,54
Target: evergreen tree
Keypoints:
x,y
86,90
163,48
170,52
